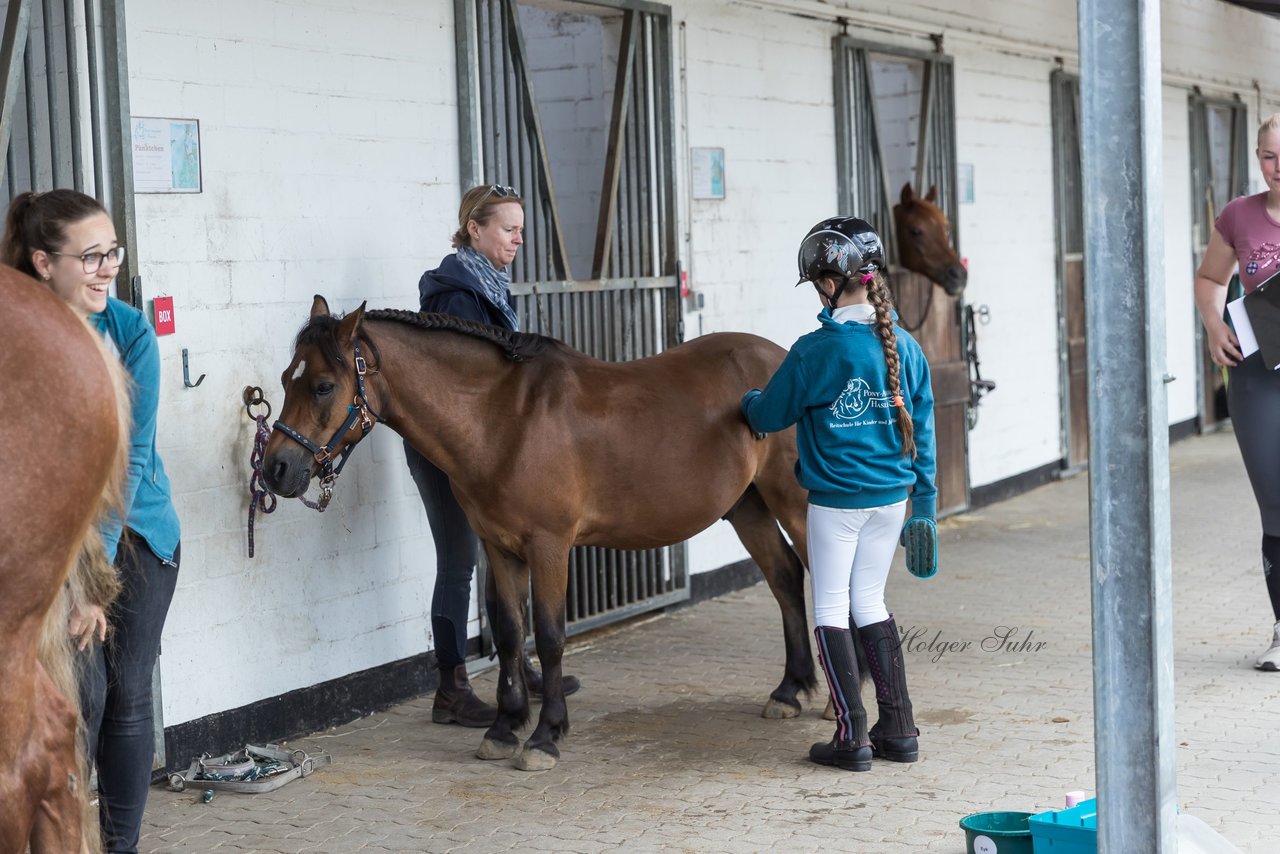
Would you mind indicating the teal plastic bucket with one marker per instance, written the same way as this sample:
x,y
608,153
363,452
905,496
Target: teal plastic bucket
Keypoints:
x,y
997,833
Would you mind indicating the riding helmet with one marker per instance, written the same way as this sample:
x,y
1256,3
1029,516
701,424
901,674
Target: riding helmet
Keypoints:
x,y
842,246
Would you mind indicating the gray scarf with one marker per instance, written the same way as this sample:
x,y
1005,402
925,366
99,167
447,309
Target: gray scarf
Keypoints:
x,y
495,284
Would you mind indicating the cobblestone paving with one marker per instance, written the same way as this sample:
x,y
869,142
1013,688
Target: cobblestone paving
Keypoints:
x,y
668,751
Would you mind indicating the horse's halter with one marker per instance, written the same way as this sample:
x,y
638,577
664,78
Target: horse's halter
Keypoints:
x,y
359,410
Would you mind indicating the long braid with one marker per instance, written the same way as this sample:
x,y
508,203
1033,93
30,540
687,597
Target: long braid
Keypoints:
x,y
878,296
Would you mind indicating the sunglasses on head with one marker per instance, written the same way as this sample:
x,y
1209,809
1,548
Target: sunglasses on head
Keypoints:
x,y
502,191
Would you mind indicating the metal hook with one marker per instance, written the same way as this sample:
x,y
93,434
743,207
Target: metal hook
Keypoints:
x,y
186,375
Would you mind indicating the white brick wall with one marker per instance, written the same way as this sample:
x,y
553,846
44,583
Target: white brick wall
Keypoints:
x,y
329,143
330,163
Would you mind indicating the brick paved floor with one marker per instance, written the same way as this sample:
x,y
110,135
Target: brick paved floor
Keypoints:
x,y
668,751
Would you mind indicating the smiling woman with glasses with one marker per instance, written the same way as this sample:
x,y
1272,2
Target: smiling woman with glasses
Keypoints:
x,y
474,283
68,241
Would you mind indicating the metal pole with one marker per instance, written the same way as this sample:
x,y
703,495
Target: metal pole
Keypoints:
x,y
1128,425
120,146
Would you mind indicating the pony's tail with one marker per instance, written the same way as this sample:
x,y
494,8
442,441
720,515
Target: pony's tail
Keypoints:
x,y
878,295
92,580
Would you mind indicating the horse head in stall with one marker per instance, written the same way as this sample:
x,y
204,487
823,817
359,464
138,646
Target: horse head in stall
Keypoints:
x,y
924,240
64,462
507,414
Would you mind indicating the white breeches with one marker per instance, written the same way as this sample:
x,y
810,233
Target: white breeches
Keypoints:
x,y
850,552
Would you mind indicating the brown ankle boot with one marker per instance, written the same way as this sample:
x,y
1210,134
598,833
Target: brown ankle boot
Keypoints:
x,y
533,680
457,703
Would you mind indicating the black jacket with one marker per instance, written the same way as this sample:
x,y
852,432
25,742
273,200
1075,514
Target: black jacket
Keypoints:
x,y
451,289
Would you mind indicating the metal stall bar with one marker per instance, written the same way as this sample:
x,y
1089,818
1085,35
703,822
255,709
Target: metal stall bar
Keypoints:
x,y
73,94
51,93
13,49
1128,436
613,165
95,108
119,147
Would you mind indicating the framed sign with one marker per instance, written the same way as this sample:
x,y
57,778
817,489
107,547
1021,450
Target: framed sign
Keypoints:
x,y
166,155
706,172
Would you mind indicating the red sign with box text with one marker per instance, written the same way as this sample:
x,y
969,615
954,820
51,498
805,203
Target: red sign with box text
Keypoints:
x,y
164,315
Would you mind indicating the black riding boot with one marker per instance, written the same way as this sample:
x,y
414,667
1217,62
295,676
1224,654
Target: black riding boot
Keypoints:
x,y
850,747
533,679
894,735
457,703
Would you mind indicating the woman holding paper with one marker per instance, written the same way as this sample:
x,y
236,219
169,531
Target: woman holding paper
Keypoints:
x,y
1247,235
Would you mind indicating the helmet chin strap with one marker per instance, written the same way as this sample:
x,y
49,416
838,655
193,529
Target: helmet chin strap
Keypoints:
x,y
835,295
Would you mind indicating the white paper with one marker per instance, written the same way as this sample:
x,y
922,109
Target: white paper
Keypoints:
x,y
1244,329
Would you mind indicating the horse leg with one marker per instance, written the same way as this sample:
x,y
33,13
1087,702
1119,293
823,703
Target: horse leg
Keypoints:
x,y
57,825
511,584
757,527
550,566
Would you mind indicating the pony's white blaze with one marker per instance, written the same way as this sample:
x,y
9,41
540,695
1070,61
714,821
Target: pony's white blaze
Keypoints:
x,y
302,367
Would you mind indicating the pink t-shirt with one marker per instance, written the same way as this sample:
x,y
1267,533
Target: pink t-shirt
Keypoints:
x,y
1247,227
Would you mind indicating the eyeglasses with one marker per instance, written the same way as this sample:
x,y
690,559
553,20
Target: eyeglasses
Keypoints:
x,y
93,261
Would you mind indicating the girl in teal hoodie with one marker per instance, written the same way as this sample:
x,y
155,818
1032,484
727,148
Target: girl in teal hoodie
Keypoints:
x,y
858,391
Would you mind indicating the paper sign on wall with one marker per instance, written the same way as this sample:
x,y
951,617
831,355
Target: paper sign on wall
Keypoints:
x,y
166,155
164,315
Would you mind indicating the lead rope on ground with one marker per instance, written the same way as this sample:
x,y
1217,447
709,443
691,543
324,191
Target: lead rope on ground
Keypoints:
x,y
260,498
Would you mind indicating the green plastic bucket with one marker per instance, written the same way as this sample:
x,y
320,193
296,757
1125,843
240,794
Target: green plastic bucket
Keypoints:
x,y
997,833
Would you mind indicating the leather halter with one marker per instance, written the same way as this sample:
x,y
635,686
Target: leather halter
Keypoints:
x,y
359,410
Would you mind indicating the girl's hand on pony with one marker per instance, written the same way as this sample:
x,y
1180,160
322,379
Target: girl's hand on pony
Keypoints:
x,y
920,539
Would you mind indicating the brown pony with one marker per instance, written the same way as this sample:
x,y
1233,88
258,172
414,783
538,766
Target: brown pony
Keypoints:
x,y
63,456
547,448
924,240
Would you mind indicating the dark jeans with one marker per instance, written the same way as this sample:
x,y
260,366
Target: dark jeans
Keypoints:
x,y
457,551
115,691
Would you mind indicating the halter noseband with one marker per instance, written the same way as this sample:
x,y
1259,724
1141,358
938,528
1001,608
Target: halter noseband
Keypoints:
x,y
359,410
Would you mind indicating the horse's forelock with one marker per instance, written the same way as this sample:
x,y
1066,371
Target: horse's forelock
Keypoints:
x,y
321,331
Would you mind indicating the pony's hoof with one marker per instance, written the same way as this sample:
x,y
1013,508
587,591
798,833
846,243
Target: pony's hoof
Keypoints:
x,y
778,710
829,713
533,759
490,749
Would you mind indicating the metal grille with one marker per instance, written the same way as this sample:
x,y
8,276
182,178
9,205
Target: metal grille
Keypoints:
x,y
1065,94
51,82
629,307
864,184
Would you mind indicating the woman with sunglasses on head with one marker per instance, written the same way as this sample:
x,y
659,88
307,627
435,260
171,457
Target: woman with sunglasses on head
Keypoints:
x,y
473,284
67,240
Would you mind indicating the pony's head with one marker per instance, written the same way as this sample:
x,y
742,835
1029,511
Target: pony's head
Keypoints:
x,y
924,240
325,410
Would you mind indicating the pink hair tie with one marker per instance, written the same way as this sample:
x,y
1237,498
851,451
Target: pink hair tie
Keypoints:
x,y
897,401
867,277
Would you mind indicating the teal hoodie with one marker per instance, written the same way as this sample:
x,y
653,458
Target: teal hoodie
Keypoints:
x,y
834,386
150,512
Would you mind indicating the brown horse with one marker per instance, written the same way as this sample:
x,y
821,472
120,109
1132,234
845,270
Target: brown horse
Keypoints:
x,y
547,448
924,240
63,454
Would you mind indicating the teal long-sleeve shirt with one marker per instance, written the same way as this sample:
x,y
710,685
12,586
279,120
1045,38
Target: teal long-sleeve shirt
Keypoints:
x,y
148,503
833,385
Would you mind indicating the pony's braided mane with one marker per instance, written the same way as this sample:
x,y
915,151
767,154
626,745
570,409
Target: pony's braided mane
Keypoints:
x,y
518,346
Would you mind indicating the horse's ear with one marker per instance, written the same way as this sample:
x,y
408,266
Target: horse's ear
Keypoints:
x,y
908,194
319,307
932,195
350,325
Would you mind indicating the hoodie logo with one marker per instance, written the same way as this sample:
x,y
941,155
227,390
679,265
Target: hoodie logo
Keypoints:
x,y
857,398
